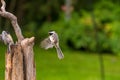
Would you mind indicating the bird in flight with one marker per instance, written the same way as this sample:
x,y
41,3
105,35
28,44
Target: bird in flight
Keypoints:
x,y
52,41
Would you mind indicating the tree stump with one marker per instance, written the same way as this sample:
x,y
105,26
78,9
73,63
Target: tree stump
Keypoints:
x,y
19,61
29,65
8,66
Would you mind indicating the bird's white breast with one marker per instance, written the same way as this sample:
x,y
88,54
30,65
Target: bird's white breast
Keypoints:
x,y
51,39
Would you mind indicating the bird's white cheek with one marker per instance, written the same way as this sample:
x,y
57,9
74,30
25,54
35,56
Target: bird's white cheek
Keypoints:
x,y
51,39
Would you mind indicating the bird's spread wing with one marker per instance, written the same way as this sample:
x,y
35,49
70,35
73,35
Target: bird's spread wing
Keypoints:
x,y
46,43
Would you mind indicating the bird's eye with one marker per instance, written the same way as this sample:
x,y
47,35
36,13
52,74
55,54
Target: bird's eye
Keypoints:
x,y
50,33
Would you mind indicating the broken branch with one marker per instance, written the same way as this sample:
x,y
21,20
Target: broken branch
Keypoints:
x,y
13,20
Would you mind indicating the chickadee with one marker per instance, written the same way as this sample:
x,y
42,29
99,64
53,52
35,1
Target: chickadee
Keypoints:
x,y
52,41
7,39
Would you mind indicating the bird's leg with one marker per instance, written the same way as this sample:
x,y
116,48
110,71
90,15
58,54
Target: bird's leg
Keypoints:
x,y
9,48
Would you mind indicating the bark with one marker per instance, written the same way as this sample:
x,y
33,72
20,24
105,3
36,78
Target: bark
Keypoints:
x,y
8,66
27,46
14,64
17,63
20,61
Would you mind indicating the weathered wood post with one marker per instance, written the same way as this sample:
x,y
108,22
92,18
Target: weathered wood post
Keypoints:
x,y
19,62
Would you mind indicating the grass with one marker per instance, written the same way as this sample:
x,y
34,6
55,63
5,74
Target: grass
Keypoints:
x,y
75,65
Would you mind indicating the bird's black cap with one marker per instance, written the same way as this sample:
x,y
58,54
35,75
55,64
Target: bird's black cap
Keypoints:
x,y
51,32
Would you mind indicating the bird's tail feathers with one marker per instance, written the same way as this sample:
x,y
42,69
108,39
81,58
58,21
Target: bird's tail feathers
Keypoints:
x,y
59,52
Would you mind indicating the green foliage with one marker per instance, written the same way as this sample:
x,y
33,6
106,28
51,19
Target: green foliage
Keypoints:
x,y
30,29
80,32
108,18
115,37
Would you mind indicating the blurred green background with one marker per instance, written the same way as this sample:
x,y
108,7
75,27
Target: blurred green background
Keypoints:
x,y
85,28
